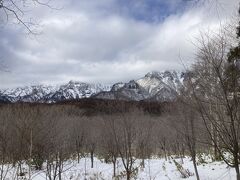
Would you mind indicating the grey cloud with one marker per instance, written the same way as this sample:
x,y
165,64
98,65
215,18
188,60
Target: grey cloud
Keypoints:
x,y
88,41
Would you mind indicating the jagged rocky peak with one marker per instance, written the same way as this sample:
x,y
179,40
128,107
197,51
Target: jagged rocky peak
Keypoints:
x,y
161,86
74,84
170,74
44,93
153,74
155,86
27,93
171,78
132,85
117,86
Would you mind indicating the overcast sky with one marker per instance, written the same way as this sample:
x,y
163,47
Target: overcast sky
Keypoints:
x,y
106,41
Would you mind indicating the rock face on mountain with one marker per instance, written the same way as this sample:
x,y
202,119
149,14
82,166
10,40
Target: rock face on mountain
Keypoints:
x,y
154,86
49,94
127,91
26,94
163,86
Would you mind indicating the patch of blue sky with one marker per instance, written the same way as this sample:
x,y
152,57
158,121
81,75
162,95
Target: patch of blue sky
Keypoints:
x,y
151,10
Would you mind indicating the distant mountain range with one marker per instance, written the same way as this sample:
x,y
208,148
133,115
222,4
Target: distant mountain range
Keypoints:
x,y
154,86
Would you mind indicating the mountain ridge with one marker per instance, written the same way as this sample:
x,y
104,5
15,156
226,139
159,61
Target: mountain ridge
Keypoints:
x,y
154,86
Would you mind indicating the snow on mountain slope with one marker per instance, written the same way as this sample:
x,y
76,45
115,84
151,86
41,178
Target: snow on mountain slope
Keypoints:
x,y
155,81
27,94
117,86
124,91
75,90
41,93
132,91
162,86
154,86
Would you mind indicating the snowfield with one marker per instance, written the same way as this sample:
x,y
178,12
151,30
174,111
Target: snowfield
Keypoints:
x,y
155,169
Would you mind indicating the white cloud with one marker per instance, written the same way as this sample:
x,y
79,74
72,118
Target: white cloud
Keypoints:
x,y
87,44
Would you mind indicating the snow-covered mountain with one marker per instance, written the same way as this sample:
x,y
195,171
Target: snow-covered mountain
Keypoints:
x,y
154,86
26,94
41,93
127,91
162,86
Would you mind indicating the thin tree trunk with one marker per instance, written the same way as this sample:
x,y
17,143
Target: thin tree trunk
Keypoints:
x,y
1,176
236,162
128,175
114,168
78,157
30,154
78,151
237,172
143,162
165,154
92,159
195,168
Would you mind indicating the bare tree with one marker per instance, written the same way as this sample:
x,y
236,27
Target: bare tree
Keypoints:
x,y
144,144
5,134
109,145
57,141
187,127
16,11
124,128
92,125
217,103
78,134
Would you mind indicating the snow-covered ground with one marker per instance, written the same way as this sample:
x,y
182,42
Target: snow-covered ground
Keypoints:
x,y
155,169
